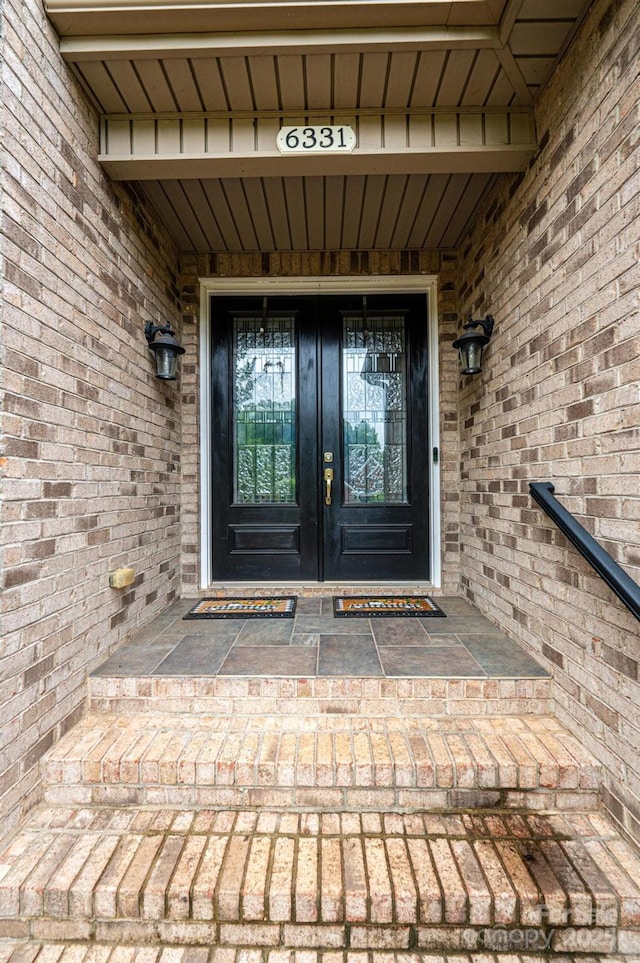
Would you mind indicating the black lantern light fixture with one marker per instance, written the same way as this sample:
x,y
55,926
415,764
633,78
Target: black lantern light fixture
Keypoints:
x,y
162,342
470,345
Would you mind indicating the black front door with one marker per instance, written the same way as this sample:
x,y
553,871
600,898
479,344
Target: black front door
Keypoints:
x,y
320,438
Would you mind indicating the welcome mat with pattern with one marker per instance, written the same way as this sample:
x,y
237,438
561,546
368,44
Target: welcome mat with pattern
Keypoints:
x,y
380,606
276,607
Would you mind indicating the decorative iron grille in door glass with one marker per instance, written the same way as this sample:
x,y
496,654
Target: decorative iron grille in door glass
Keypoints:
x,y
374,391
264,411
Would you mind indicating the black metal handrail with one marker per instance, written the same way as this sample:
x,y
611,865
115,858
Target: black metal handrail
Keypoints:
x,y
616,578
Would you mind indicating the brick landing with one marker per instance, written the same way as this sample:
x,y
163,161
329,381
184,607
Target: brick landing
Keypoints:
x,y
334,761
321,881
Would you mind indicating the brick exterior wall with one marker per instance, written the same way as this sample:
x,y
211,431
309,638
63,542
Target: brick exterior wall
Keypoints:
x,y
323,264
100,461
91,456
554,256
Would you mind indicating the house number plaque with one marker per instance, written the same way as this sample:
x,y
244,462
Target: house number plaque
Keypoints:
x,y
315,140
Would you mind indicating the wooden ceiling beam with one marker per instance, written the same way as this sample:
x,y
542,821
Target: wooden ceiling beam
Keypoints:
x,y
278,43
205,146
108,17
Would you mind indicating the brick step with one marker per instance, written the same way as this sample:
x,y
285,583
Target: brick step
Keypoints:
x,y
322,881
321,761
370,697
33,951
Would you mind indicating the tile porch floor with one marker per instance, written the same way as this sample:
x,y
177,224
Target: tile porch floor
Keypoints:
x,y
463,645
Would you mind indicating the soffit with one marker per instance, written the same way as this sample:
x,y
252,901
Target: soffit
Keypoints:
x,y
321,60
394,212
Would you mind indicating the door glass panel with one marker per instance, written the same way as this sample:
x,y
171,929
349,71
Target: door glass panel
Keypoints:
x,y
264,409
374,396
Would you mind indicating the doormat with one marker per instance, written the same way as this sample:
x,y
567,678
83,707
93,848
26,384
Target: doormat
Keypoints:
x,y
276,607
381,606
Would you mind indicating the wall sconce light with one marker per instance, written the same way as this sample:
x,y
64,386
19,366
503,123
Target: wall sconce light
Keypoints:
x,y
166,349
471,344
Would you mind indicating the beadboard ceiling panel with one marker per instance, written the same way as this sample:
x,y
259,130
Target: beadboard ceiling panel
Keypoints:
x,y
420,68
376,80
318,213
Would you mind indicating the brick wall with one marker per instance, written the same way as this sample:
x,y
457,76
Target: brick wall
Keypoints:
x,y
554,256
313,264
91,457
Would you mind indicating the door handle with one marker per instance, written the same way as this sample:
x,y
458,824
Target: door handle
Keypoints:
x,y
328,480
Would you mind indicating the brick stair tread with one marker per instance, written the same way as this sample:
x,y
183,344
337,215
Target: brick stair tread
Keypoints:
x,y
165,752
14,951
32,951
317,880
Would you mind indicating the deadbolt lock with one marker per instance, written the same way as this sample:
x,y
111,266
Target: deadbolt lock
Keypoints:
x,y
328,456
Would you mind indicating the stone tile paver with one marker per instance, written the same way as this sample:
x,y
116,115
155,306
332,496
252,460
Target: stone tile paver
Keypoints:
x,y
465,643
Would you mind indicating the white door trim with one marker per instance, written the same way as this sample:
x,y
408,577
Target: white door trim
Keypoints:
x,y
377,284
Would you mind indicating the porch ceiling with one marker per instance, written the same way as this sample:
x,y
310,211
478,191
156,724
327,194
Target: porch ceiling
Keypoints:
x,y
439,92
393,212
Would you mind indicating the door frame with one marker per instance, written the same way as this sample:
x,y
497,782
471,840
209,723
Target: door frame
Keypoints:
x,y
371,284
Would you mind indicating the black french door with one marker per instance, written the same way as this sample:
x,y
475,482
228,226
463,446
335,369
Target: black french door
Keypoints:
x,y
320,438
